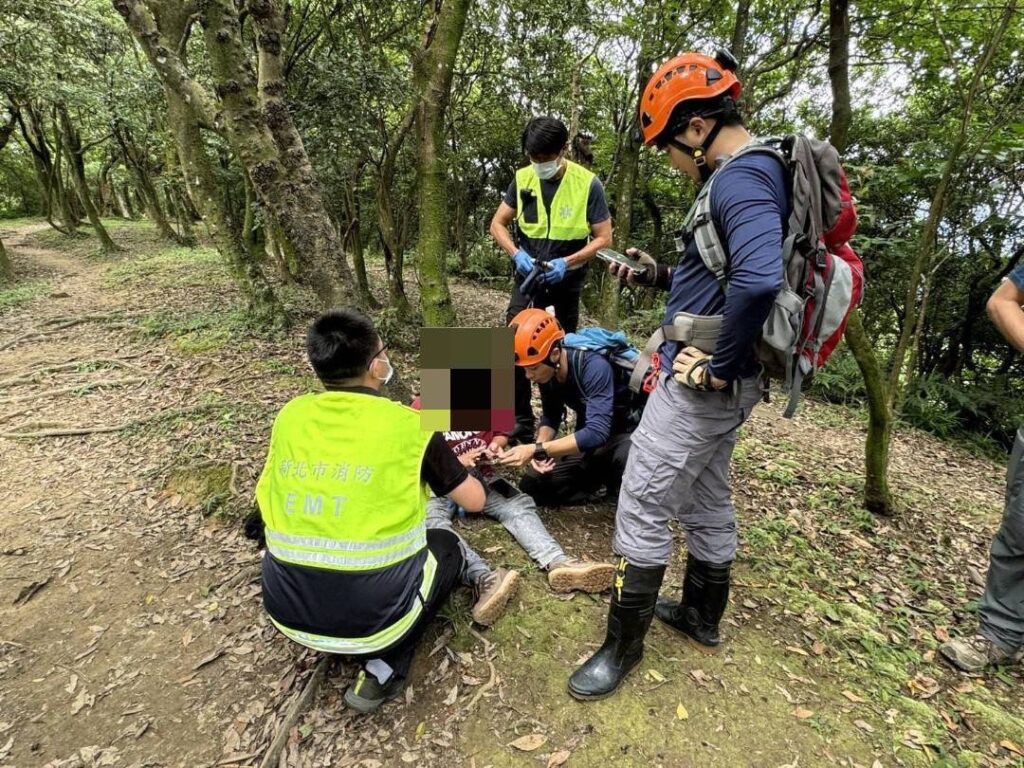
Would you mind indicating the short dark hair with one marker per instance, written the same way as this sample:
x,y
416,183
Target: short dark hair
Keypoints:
x,y
544,136
341,343
722,108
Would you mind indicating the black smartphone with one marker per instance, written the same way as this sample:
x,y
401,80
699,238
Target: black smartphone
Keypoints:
x,y
614,257
503,487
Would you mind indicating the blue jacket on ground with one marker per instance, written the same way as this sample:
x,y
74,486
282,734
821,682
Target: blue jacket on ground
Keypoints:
x,y
749,206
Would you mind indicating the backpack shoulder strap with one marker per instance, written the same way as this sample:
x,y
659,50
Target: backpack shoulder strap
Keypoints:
x,y
699,222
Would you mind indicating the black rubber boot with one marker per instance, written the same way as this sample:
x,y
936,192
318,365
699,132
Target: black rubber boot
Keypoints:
x,y
705,595
633,595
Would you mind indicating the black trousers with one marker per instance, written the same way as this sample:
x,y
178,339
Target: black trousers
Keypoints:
x,y
565,297
575,479
445,547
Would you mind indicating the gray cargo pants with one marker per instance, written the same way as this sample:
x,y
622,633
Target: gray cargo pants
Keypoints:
x,y
518,515
679,467
1002,606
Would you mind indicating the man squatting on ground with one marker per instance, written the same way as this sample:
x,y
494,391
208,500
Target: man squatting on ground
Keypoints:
x,y
558,214
351,566
516,511
570,469
1000,635
679,461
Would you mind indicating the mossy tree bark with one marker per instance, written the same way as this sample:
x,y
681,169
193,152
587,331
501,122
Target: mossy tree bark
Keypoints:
x,y
138,163
432,79
74,153
238,112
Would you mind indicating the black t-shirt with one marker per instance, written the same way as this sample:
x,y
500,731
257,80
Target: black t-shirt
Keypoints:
x,y
597,211
356,603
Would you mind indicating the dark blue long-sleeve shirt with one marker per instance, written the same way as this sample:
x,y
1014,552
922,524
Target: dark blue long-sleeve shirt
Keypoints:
x,y
599,398
749,206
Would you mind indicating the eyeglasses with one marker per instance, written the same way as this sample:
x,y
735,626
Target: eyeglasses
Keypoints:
x,y
378,354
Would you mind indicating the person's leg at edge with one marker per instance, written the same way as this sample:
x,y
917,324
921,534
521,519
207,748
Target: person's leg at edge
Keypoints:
x,y
440,511
519,517
565,485
1000,635
384,676
526,423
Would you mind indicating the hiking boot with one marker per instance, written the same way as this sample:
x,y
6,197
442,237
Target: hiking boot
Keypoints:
x,y
629,618
366,694
697,615
974,654
572,574
493,590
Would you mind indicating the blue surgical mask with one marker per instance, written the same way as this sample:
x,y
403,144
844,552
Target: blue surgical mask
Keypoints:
x,y
547,170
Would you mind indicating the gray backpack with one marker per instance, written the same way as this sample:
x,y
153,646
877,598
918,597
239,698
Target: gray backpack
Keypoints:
x,y
823,276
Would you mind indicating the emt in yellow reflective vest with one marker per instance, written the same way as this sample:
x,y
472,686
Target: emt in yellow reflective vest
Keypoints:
x,y
350,566
558,214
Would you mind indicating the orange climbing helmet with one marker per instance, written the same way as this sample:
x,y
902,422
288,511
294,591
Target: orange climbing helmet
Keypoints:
x,y
686,77
536,333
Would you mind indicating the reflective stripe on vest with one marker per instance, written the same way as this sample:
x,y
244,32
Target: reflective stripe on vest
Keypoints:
x,y
342,488
376,642
311,550
568,206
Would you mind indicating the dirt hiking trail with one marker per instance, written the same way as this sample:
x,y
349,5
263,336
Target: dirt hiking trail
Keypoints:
x,y
135,405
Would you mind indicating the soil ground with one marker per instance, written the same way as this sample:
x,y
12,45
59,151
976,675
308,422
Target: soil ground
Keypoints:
x,y
131,630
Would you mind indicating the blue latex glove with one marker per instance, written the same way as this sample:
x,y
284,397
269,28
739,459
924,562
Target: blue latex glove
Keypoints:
x,y
556,273
523,261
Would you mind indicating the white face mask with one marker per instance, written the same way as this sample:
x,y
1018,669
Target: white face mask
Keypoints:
x,y
546,170
390,374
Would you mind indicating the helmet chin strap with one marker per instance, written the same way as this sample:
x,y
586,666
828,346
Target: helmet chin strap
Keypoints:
x,y
699,154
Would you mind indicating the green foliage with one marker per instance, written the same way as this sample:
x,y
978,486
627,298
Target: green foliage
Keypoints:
x,y
20,293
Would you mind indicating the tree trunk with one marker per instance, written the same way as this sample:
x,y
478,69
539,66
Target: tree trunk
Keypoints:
x,y
876,447
354,235
6,268
54,200
291,200
391,240
738,44
76,166
839,71
208,196
432,77
139,165
877,498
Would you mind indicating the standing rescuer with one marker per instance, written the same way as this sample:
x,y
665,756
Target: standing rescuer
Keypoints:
x,y
679,460
558,214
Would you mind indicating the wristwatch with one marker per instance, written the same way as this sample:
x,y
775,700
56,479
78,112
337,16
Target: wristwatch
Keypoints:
x,y
539,453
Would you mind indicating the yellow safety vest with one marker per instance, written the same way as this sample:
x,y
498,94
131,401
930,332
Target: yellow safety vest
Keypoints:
x,y
568,206
342,490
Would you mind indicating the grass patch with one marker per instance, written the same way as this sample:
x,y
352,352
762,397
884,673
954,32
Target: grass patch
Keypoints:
x,y
199,332
19,294
170,267
206,485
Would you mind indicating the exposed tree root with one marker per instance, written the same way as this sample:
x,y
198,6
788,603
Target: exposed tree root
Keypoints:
x,y
73,431
104,362
62,323
82,388
295,710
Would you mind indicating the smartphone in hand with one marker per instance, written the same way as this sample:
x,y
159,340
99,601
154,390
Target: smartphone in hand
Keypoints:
x,y
614,257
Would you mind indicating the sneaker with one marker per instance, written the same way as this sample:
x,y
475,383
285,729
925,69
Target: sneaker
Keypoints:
x,y
975,653
366,694
493,591
572,574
